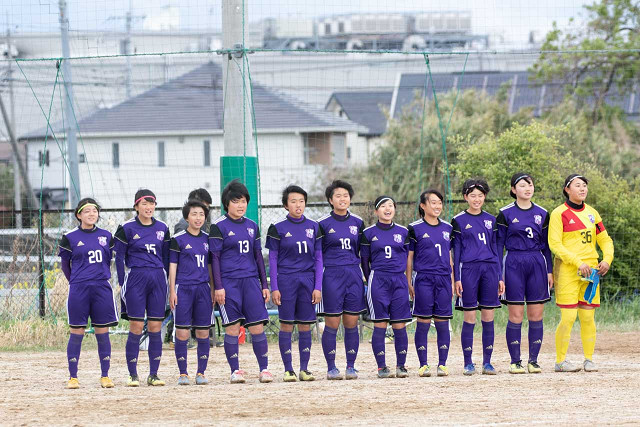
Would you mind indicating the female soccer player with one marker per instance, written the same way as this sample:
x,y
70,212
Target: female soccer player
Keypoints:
x,y
476,272
240,278
142,245
86,259
190,295
295,269
527,270
342,284
574,230
430,257
383,250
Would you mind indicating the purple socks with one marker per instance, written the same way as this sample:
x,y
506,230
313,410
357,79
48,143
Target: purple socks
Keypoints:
x,y
514,336
231,351
104,352
304,346
73,353
284,341
377,344
261,350
203,354
466,339
181,354
132,350
444,342
487,341
155,352
536,331
351,345
329,346
401,343
422,332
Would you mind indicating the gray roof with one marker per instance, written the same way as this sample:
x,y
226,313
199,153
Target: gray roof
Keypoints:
x,y
365,108
193,102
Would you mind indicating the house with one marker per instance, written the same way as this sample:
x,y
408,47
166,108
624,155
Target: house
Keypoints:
x,y
170,139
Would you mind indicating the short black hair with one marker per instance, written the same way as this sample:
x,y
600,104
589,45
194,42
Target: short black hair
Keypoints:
x,y
517,177
234,190
568,180
292,189
194,203
328,193
200,194
84,202
424,197
471,184
381,199
146,194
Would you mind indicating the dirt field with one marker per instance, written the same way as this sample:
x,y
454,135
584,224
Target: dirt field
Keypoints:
x,y
32,391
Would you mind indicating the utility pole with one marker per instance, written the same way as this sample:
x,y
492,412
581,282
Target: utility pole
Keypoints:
x,y
70,130
127,48
17,191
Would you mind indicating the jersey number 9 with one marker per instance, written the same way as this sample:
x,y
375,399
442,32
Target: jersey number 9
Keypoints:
x,y
387,252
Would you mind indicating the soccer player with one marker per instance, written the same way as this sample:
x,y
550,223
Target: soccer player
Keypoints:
x,y
384,250
342,284
527,269
86,259
142,245
240,279
432,291
190,295
295,269
476,270
574,230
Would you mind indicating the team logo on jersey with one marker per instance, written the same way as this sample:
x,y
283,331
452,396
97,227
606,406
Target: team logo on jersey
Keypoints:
x,y
425,236
515,220
102,240
397,238
488,223
188,246
309,232
136,237
592,219
288,234
206,246
231,233
537,219
80,243
468,227
251,232
446,235
160,235
353,229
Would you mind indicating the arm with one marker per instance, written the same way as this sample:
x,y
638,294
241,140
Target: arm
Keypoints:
x,y
409,273
605,243
257,255
273,269
365,254
555,234
173,298
546,251
215,271
65,264
456,247
318,270
121,251
166,244
501,239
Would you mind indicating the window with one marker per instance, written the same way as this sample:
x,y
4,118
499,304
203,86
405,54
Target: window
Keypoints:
x,y
43,159
82,158
161,154
340,27
306,149
338,150
207,152
327,29
115,154
348,153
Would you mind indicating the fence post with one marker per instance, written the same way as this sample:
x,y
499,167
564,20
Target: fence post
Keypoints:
x,y
41,293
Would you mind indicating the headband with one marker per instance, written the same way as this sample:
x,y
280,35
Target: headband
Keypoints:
x,y
144,197
520,178
569,182
470,189
384,199
88,204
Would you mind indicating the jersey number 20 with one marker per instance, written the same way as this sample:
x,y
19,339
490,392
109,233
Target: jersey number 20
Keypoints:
x,y
95,257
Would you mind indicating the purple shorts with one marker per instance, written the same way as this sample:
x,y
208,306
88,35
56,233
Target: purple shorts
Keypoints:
x,y
91,300
295,294
145,290
388,297
525,278
432,296
342,291
479,286
243,302
194,308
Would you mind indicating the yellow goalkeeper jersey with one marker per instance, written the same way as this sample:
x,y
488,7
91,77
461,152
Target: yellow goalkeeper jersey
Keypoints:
x,y
573,234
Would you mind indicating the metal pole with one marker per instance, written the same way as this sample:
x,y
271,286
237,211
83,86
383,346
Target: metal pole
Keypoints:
x,y
128,49
70,130
41,290
17,190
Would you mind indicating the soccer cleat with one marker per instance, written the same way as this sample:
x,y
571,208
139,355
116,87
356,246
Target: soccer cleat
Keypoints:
x,y
73,384
306,376
154,381
385,373
265,376
201,379
133,381
183,379
237,377
351,373
589,366
443,371
424,371
401,372
488,369
290,377
334,374
566,366
533,367
105,382
517,368
469,369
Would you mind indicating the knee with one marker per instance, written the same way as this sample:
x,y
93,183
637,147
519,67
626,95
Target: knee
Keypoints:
x,y
586,316
568,315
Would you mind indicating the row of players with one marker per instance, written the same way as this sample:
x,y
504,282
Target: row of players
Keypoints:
x,y
317,268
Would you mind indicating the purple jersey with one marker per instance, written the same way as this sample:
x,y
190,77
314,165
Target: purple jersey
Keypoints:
x,y
524,230
236,240
90,253
386,246
296,243
143,245
473,239
341,241
431,246
191,253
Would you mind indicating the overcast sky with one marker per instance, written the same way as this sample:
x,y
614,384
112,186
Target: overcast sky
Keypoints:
x,y
513,19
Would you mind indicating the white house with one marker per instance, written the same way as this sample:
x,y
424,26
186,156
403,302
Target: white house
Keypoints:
x,y
170,139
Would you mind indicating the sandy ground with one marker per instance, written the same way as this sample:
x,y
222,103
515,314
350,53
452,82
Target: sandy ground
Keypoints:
x,y
32,391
